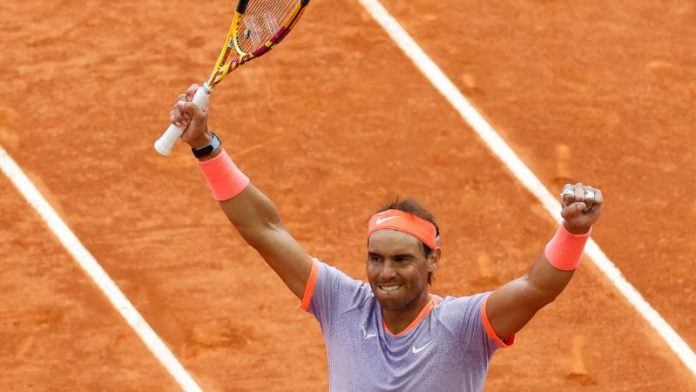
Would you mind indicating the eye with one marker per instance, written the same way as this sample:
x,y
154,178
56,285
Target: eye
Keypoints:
x,y
401,259
373,258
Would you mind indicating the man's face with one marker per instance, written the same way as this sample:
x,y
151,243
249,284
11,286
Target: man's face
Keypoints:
x,y
397,269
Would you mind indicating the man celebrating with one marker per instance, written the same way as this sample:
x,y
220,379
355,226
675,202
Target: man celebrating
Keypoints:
x,y
392,334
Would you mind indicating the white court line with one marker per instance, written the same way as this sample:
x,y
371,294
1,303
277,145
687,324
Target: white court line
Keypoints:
x,y
443,84
88,263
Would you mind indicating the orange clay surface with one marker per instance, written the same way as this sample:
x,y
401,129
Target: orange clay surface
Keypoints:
x,y
332,124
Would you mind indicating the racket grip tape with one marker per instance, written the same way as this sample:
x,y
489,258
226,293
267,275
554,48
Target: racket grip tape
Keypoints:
x,y
166,142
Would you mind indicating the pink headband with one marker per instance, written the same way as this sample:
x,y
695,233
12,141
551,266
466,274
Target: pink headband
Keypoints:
x,y
406,223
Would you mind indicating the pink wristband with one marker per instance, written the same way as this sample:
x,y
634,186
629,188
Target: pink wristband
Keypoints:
x,y
224,177
564,250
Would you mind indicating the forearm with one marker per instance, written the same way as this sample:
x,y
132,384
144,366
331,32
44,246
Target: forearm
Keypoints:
x,y
512,306
253,214
552,271
249,210
543,283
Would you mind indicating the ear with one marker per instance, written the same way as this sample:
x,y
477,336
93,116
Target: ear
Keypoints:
x,y
434,260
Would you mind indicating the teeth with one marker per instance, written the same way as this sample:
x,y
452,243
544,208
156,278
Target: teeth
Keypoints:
x,y
390,288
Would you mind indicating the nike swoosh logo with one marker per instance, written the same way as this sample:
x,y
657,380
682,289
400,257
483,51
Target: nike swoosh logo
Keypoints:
x,y
416,350
382,220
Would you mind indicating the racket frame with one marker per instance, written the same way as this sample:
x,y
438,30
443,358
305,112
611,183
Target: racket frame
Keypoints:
x,y
224,66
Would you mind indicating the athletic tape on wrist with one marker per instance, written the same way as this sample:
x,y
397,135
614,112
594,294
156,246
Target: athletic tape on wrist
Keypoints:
x,y
224,177
565,249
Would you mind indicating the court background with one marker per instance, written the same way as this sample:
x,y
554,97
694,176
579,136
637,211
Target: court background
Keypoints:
x,y
339,122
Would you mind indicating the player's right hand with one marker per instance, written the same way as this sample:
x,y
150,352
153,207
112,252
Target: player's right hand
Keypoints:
x,y
193,119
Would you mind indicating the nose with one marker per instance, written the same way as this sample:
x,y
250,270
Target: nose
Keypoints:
x,y
387,271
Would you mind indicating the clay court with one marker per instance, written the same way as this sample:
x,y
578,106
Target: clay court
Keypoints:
x,y
332,124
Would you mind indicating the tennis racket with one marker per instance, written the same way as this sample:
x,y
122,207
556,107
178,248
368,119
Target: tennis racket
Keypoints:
x,y
257,27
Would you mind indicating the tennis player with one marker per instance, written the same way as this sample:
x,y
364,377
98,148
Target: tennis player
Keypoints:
x,y
391,334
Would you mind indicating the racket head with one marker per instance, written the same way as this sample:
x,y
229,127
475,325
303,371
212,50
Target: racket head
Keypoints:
x,y
257,26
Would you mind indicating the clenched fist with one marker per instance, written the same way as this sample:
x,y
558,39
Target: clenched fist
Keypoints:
x,y
193,119
582,206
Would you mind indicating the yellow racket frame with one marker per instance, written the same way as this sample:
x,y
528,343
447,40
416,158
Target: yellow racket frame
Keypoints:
x,y
224,65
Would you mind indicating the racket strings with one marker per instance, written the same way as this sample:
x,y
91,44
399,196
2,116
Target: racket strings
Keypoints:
x,y
262,19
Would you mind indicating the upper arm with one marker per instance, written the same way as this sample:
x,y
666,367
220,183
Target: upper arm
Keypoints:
x,y
257,220
287,258
510,307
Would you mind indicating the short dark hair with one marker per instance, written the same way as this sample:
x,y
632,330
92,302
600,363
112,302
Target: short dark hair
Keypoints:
x,y
412,207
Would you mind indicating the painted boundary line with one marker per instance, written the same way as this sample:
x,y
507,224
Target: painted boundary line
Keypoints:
x,y
90,265
500,148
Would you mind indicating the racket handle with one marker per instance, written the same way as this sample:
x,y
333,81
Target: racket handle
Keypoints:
x,y
166,142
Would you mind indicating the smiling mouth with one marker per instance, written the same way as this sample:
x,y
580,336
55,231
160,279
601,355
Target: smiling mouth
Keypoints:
x,y
389,288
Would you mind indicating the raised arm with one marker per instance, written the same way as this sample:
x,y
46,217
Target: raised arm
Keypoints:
x,y
249,210
510,307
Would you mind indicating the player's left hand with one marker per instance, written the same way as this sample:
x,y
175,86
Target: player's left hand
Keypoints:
x,y
582,206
